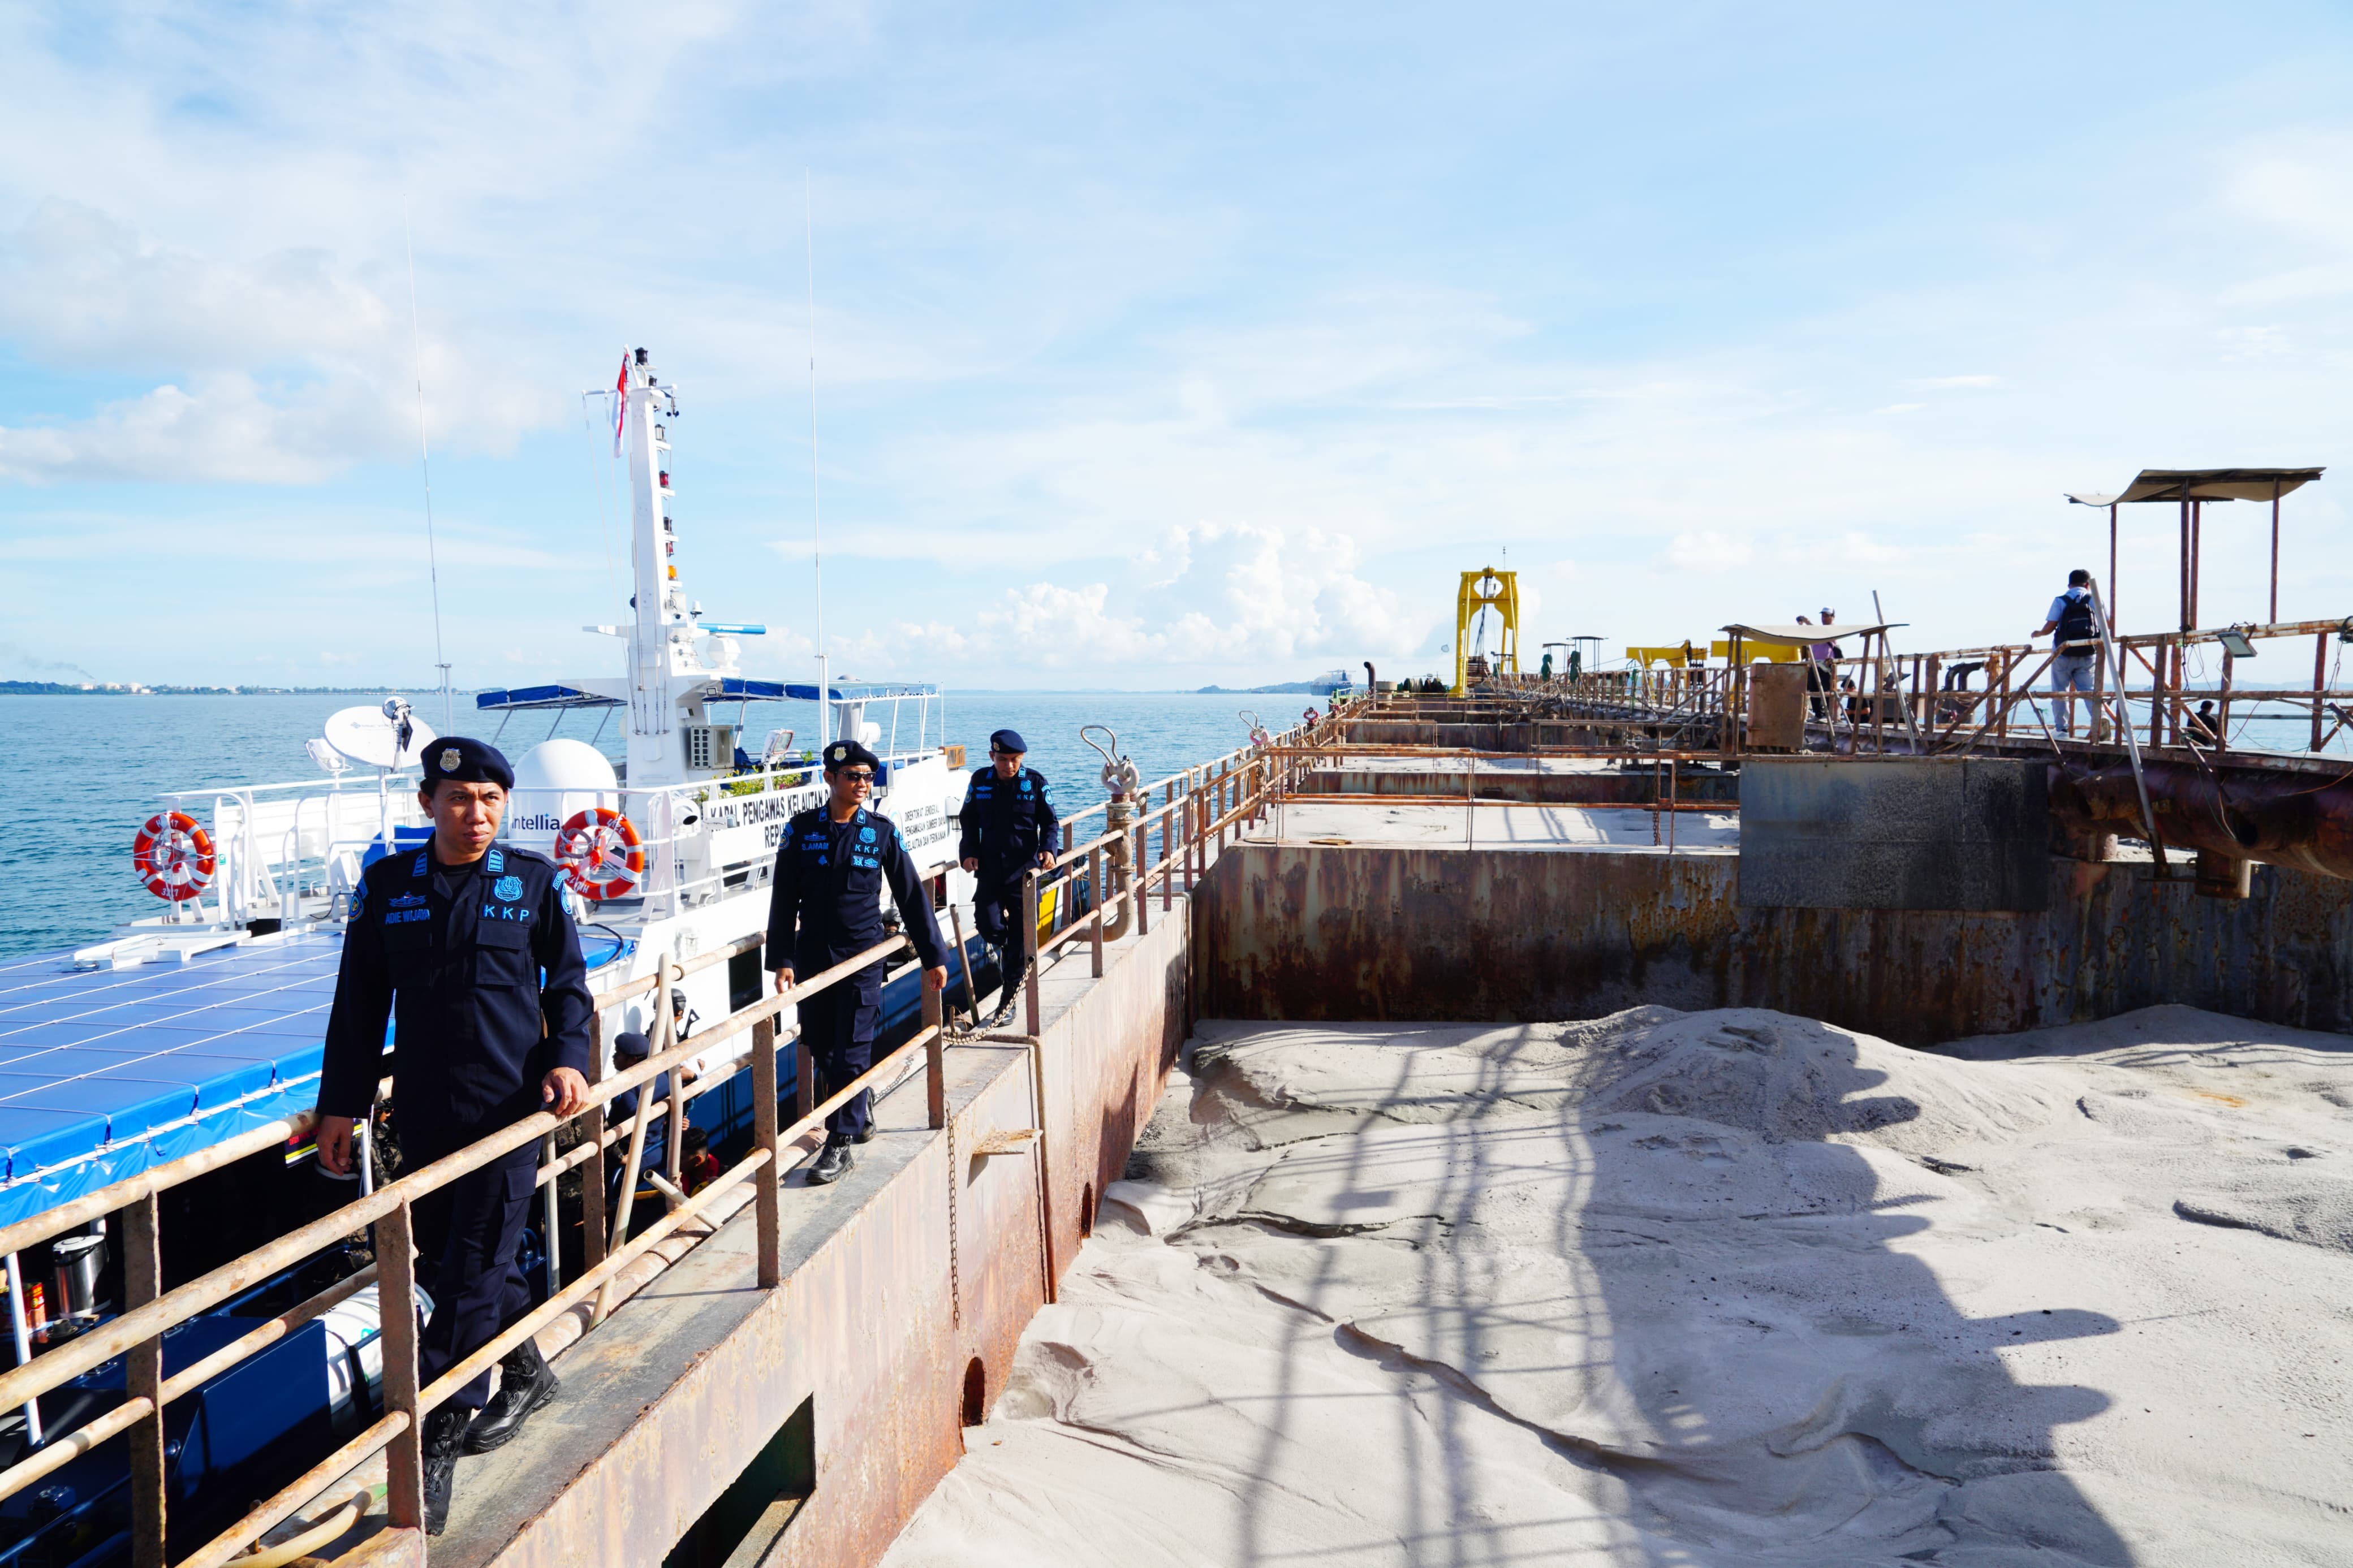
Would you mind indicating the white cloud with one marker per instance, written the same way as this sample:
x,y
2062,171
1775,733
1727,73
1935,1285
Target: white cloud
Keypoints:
x,y
1232,596
289,368
1943,382
1708,550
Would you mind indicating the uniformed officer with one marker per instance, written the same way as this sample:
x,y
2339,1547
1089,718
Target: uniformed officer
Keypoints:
x,y
826,905
1008,825
468,944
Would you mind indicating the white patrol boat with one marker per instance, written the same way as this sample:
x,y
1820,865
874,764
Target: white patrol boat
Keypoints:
x,y
668,852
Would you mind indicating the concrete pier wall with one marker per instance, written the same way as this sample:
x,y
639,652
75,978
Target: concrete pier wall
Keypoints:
x,y
1368,931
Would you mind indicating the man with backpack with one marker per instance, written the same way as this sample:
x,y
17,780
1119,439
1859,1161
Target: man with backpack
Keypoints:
x,y
2076,649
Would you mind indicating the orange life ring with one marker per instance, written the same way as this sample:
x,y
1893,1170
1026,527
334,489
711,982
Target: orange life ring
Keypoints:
x,y
174,855
600,853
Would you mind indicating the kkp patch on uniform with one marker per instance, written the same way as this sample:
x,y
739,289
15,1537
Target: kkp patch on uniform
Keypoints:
x,y
509,888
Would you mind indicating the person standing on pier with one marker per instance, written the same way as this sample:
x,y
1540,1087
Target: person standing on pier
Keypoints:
x,y
826,906
2074,649
469,945
1008,827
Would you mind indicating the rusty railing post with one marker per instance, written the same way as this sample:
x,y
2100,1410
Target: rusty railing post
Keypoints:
x,y
591,1174
935,1056
1029,946
1096,916
1139,876
142,1282
768,1179
396,1287
2319,683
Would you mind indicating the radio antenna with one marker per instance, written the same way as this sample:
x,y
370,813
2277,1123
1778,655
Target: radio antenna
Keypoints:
x,y
425,466
817,511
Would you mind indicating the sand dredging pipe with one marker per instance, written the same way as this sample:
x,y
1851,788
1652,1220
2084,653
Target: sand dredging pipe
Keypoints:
x,y
2236,813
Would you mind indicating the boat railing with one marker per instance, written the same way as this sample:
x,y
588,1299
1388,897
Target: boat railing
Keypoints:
x,y
1202,808
277,844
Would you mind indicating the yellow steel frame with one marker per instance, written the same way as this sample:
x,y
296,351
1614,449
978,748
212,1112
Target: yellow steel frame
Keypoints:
x,y
1503,598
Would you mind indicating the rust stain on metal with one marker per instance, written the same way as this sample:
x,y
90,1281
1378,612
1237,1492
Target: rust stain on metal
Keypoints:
x,y
1368,931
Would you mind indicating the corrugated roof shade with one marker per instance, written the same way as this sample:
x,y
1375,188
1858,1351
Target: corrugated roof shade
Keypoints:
x,y
2203,484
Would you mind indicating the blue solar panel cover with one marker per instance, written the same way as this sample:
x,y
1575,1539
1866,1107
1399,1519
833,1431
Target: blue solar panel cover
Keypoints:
x,y
104,1073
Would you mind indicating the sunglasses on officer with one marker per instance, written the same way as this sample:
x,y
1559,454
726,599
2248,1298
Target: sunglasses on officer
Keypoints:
x,y
856,775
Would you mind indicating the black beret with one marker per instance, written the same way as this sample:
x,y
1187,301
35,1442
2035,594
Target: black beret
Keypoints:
x,y
842,754
631,1042
464,761
1008,740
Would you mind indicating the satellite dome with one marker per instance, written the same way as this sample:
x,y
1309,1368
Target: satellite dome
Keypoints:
x,y
553,781
566,765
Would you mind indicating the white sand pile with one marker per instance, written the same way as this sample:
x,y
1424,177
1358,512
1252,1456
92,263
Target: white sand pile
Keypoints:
x,y
1710,1289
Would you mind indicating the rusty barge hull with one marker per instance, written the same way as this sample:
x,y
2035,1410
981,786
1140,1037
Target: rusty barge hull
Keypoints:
x,y
1308,932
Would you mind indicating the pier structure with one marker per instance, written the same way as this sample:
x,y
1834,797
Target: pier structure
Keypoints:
x,y
775,1374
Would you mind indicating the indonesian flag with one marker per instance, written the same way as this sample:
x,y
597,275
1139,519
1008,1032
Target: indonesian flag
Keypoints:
x,y
620,401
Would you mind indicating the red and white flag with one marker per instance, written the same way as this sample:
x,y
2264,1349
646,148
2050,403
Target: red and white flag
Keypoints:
x,y
620,401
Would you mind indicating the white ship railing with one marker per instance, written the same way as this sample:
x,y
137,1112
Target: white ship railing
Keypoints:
x,y
277,844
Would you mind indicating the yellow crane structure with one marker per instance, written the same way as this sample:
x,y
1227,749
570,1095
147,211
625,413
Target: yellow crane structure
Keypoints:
x,y
1486,589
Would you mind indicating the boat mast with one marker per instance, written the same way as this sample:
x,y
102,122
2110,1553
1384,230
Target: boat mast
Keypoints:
x,y
661,640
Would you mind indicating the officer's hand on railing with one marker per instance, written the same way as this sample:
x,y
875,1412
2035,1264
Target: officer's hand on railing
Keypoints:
x,y
335,1144
936,978
1045,859
783,979
971,863
564,1091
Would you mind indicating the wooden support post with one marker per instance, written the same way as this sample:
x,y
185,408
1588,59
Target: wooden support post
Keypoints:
x,y
935,1056
2111,583
142,1282
768,1179
395,1288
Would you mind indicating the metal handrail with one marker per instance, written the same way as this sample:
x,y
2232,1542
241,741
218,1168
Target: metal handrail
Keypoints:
x,y
1250,776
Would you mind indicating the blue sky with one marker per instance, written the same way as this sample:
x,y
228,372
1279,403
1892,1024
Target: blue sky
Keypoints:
x,y
1156,346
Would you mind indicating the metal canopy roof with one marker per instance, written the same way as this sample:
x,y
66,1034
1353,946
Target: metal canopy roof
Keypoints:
x,y
1809,634
2204,484
543,697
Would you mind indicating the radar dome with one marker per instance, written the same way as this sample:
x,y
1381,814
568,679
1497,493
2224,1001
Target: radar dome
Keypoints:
x,y
554,780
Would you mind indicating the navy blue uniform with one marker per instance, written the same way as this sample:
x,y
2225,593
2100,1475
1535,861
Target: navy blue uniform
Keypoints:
x,y
459,954
826,906
1006,823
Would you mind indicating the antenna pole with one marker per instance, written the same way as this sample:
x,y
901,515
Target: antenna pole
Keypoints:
x,y
817,511
425,466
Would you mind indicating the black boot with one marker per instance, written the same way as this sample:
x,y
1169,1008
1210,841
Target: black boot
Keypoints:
x,y
445,1431
526,1383
832,1162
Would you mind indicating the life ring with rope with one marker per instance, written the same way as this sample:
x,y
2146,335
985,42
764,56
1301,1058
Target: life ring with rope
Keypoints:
x,y
600,853
174,855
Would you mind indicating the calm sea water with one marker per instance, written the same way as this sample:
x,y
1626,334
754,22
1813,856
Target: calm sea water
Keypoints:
x,y
78,775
